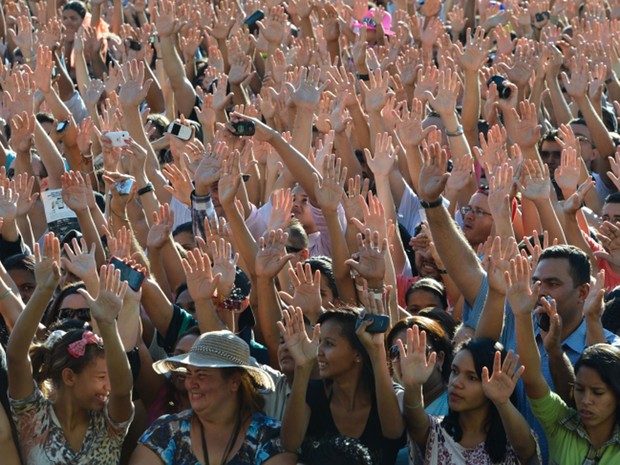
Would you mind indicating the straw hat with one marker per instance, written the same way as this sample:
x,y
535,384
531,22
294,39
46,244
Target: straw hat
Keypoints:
x,y
217,349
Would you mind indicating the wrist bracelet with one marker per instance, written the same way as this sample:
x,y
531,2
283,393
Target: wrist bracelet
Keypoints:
x,y
416,406
148,188
458,132
442,271
87,173
434,204
6,294
88,156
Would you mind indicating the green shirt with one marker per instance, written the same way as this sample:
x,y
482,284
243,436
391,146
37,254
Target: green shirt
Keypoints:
x,y
568,440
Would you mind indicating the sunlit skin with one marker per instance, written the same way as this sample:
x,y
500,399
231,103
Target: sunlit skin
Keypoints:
x,y
301,209
596,403
420,298
91,387
477,228
208,391
465,386
337,359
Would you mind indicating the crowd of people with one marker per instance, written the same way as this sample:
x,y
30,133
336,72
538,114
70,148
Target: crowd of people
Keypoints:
x,y
310,232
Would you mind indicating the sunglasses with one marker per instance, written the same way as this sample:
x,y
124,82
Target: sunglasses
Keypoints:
x,y
74,314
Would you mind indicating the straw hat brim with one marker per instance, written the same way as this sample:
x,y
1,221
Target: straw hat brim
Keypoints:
x,y
180,362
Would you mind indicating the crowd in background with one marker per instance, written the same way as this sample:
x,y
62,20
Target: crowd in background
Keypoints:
x,y
310,232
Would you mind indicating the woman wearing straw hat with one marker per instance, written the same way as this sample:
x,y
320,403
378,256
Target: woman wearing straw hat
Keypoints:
x,y
225,423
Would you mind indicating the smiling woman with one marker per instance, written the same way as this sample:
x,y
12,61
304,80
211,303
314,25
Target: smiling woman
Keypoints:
x,y
225,423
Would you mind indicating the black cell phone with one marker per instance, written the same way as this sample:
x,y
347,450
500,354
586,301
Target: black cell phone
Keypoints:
x,y
244,128
540,17
502,89
133,277
250,21
62,125
380,323
544,322
134,45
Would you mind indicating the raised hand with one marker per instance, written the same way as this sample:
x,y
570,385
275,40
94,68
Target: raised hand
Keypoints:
x,y
307,290
573,204
74,191
134,88
376,96
373,215
433,175
353,205
370,263
329,190
497,262
282,204
47,266
610,238
80,260
500,187
108,304
224,265
161,228
521,296
535,180
475,53
567,174
119,245
444,101
208,171
23,188
200,280
8,203
385,155
230,179
303,349
307,94
271,256
499,387
416,366
409,127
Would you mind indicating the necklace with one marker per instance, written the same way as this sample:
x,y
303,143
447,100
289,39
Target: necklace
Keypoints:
x,y
229,446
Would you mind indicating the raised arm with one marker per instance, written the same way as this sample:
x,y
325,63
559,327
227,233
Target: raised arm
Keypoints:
x,y
498,389
47,275
105,309
460,260
415,367
522,300
304,352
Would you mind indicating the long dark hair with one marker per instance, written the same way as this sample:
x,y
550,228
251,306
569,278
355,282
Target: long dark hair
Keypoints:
x,y
483,353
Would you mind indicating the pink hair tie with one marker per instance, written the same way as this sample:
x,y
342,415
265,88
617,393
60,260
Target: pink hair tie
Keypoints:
x,y
78,348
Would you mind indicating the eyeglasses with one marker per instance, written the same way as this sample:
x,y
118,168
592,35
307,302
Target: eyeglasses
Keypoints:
x,y
475,210
74,314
